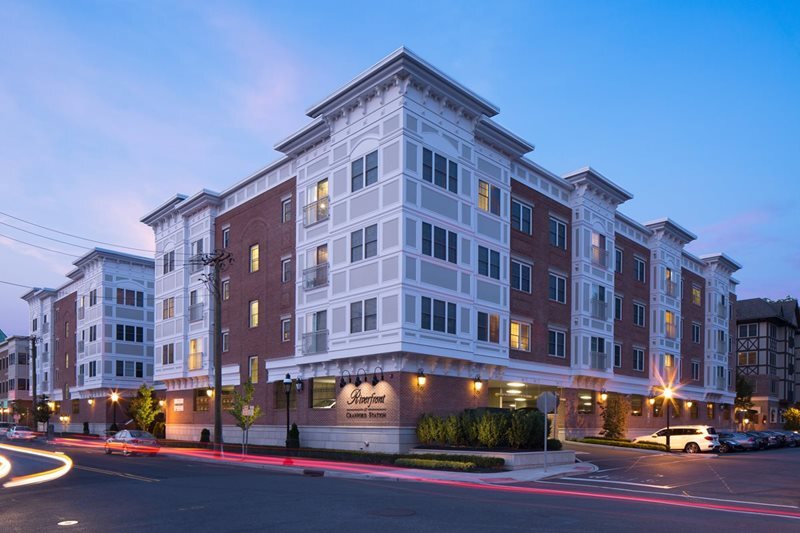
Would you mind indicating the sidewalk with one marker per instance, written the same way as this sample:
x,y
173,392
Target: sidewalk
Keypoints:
x,y
317,468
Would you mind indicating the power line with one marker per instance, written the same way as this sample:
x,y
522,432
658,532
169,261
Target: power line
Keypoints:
x,y
76,236
40,247
43,236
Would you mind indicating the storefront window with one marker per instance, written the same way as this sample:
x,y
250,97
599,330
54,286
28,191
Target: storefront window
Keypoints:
x,y
280,396
710,411
636,405
323,393
585,402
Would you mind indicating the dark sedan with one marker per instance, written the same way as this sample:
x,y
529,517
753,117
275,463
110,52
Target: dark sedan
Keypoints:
x,y
132,441
729,442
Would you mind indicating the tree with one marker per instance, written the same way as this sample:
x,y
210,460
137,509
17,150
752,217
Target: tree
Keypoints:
x,y
744,394
144,408
43,410
792,416
244,411
614,413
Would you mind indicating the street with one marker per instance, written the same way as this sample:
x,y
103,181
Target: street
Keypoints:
x,y
167,493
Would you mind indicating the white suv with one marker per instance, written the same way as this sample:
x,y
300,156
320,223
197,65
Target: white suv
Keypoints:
x,y
691,439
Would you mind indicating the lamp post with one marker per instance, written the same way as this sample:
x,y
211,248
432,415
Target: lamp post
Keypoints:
x,y
287,388
115,400
668,401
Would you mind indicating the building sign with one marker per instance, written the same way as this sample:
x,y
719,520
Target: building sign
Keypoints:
x,y
362,405
248,410
177,404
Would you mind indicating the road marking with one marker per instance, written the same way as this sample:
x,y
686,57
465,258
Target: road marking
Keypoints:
x,y
684,495
119,474
594,480
582,453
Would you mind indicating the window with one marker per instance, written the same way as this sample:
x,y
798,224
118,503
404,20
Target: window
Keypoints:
x,y
520,276
637,403
364,316
697,298
599,250
168,308
488,262
286,210
169,265
201,399
226,237
556,341
638,315
286,330
120,368
253,319
280,396
638,359
617,355
557,288
670,282
520,336
669,360
617,260
286,270
226,341
748,330
252,369
139,370
438,315
521,216
254,258
66,329
364,243
317,208
438,170
639,269
323,393
748,358
92,369
130,333
35,325
76,407
488,327
617,308
671,324
130,298
364,171
488,198
695,333
439,243
695,370
585,402
710,411
558,233
226,289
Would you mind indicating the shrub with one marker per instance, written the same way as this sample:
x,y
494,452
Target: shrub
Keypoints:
x,y
481,461
614,413
492,429
452,431
426,429
435,464
520,432
554,445
469,427
792,417
205,435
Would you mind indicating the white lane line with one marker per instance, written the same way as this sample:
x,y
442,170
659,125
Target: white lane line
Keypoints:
x,y
685,496
119,474
593,480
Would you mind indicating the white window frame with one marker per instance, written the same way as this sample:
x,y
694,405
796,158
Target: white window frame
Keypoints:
x,y
522,208
523,343
521,266
559,278
557,334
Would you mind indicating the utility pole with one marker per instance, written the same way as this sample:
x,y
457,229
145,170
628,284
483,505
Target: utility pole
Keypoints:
x,y
219,261
32,338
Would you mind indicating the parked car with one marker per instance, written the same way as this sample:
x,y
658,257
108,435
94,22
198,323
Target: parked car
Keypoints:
x,y
761,440
20,433
691,439
4,427
735,442
770,440
132,441
791,439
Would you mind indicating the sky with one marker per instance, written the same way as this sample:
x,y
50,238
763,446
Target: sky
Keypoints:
x,y
107,109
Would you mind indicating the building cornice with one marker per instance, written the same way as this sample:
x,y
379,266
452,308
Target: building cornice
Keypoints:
x,y
154,216
589,177
492,134
723,260
634,224
672,229
314,133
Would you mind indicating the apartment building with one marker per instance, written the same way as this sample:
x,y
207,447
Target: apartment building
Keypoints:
x,y
15,396
768,356
406,256
94,336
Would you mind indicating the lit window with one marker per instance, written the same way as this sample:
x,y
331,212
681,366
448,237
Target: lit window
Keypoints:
x,y
253,368
520,336
253,313
697,298
488,197
488,327
254,258
226,289
286,330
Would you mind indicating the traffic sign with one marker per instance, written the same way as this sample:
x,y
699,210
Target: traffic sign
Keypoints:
x,y
547,402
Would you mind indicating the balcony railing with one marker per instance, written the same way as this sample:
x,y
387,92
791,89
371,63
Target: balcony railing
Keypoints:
x,y
316,211
196,312
722,311
599,309
81,346
315,342
672,288
672,331
196,361
45,327
196,263
316,276
81,313
598,360
80,380
599,256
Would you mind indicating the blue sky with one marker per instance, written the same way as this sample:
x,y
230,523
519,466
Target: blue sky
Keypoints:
x,y
108,108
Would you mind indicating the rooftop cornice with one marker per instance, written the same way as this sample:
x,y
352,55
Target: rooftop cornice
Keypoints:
x,y
38,292
693,258
403,64
634,224
199,200
672,229
311,134
593,179
493,134
102,253
155,215
723,260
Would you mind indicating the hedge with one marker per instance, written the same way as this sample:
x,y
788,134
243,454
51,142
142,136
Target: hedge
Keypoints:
x,y
480,461
625,443
436,464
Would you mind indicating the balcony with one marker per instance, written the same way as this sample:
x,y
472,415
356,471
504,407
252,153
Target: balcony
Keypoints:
x,y
599,256
46,327
196,312
80,380
196,263
315,342
598,360
316,212
599,309
671,288
672,331
316,276
81,346
196,361
81,313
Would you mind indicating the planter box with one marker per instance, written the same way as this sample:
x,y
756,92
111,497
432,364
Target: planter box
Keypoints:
x,y
514,460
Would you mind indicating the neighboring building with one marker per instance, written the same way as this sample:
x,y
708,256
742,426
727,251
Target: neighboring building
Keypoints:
x,y
405,234
94,336
768,351
15,396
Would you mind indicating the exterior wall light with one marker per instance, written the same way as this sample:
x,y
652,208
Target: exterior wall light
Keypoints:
x,y
603,395
689,404
421,379
209,392
652,400
162,403
91,401
359,381
299,384
375,379
349,379
477,383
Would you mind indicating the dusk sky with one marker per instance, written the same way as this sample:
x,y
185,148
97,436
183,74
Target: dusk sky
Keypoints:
x,y
109,108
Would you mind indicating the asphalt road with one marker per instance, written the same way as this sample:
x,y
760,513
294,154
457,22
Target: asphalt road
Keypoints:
x,y
115,493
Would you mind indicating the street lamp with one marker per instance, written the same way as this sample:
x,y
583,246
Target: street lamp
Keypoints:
x,y
115,400
287,388
668,401
64,423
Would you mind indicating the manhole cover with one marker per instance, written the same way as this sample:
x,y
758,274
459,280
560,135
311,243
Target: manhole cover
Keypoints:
x,y
392,512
